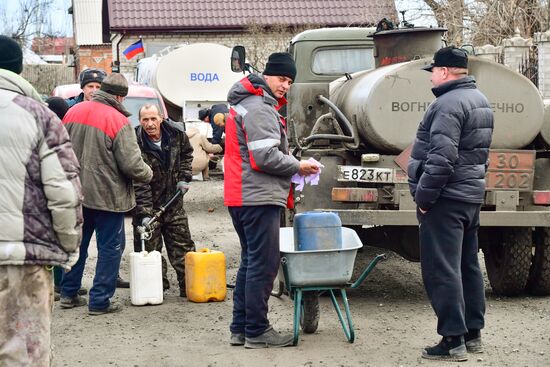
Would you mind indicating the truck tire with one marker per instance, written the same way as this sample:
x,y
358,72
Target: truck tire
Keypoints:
x,y
508,260
538,283
310,312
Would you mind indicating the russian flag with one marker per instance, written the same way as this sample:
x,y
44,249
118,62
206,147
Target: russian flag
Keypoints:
x,y
134,49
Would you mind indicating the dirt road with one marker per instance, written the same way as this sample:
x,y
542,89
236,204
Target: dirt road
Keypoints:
x,y
393,319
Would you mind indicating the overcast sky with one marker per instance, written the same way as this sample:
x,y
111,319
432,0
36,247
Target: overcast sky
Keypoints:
x,y
61,21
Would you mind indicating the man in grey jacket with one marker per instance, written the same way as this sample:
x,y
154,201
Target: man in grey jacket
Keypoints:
x,y
106,146
40,213
258,169
447,180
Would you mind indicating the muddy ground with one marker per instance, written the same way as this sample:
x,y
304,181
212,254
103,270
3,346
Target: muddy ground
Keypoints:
x,y
393,319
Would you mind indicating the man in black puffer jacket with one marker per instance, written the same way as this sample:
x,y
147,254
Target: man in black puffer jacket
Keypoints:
x,y
447,180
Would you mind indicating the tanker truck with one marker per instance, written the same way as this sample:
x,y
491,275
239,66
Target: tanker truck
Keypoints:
x,y
189,77
355,106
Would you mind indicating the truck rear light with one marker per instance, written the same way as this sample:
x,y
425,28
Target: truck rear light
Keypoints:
x,y
354,194
541,197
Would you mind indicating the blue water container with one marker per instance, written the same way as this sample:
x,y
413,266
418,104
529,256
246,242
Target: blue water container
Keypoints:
x,y
317,231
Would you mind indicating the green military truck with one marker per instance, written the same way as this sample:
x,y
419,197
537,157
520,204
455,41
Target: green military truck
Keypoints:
x,y
355,105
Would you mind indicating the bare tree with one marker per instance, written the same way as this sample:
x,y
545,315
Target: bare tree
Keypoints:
x,y
264,41
31,18
480,21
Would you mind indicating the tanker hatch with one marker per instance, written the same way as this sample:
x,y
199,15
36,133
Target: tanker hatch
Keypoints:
x,y
406,44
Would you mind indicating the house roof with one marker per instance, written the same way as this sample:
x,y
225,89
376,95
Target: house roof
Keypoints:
x,y
194,15
52,45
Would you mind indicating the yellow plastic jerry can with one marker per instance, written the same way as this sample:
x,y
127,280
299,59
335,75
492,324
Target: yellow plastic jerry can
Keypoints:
x,y
205,276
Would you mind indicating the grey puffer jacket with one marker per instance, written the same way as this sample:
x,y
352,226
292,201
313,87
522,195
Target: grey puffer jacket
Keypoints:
x,y
40,206
450,154
257,166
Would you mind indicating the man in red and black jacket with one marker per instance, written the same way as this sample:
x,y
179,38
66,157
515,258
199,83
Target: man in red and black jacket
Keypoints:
x,y
106,147
258,169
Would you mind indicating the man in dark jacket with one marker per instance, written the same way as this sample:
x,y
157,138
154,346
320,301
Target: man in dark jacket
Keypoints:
x,y
106,147
166,149
258,169
208,114
447,180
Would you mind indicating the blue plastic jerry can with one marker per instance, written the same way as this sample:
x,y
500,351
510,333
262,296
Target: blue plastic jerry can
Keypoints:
x,y
317,231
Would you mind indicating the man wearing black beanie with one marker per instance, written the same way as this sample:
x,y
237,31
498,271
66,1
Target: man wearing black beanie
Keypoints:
x,y
11,56
258,168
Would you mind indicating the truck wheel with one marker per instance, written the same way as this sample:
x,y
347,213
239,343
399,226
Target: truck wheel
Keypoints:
x,y
539,275
310,312
508,261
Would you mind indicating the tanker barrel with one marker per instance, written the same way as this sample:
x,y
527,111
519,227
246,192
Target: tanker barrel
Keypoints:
x,y
389,102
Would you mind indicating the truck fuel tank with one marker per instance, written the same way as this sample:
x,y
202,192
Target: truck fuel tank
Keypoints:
x,y
389,102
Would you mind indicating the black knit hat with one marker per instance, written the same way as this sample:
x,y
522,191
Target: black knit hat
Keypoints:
x,y
281,64
91,75
450,57
11,56
58,105
204,113
115,84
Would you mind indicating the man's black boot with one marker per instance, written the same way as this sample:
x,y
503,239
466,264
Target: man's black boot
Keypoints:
x,y
450,348
473,341
121,283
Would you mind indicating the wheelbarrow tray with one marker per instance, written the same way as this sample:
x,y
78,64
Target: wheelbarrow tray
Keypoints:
x,y
332,267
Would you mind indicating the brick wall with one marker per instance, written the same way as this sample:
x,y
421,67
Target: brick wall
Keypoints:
x,y
99,56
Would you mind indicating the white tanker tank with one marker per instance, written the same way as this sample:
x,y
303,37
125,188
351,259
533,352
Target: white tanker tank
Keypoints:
x,y
389,102
189,77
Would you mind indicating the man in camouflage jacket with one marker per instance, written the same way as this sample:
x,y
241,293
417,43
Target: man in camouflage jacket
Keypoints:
x,y
166,149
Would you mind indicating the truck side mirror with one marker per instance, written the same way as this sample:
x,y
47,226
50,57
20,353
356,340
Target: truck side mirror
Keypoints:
x,y
238,57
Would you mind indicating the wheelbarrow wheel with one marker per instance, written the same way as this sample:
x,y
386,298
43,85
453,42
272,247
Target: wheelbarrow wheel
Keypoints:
x,y
310,312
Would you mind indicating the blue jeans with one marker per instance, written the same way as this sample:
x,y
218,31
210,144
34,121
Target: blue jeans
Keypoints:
x,y
109,228
258,230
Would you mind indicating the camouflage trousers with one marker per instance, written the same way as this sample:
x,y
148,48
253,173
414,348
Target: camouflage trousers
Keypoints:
x,y
172,229
26,302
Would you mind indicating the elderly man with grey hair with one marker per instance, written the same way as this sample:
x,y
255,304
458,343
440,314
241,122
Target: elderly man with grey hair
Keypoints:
x,y
166,149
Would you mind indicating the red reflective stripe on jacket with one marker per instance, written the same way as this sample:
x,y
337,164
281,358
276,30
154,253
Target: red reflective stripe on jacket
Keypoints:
x,y
250,156
110,121
290,198
233,180
249,87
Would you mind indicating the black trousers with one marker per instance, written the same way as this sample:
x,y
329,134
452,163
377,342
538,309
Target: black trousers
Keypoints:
x,y
258,230
450,266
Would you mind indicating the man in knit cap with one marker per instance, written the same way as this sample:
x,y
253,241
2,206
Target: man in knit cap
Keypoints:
x,y
258,168
41,218
106,147
90,82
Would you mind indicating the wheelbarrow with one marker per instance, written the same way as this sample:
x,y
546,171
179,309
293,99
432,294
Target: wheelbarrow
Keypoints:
x,y
306,274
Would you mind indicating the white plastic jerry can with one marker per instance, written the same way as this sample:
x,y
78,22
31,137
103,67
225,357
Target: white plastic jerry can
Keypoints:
x,y
146,278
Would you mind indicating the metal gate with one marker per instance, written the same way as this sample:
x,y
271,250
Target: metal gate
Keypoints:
x,y
529,65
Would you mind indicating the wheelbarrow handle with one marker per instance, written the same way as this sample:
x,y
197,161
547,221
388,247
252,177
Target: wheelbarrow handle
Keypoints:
x,y
369,268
